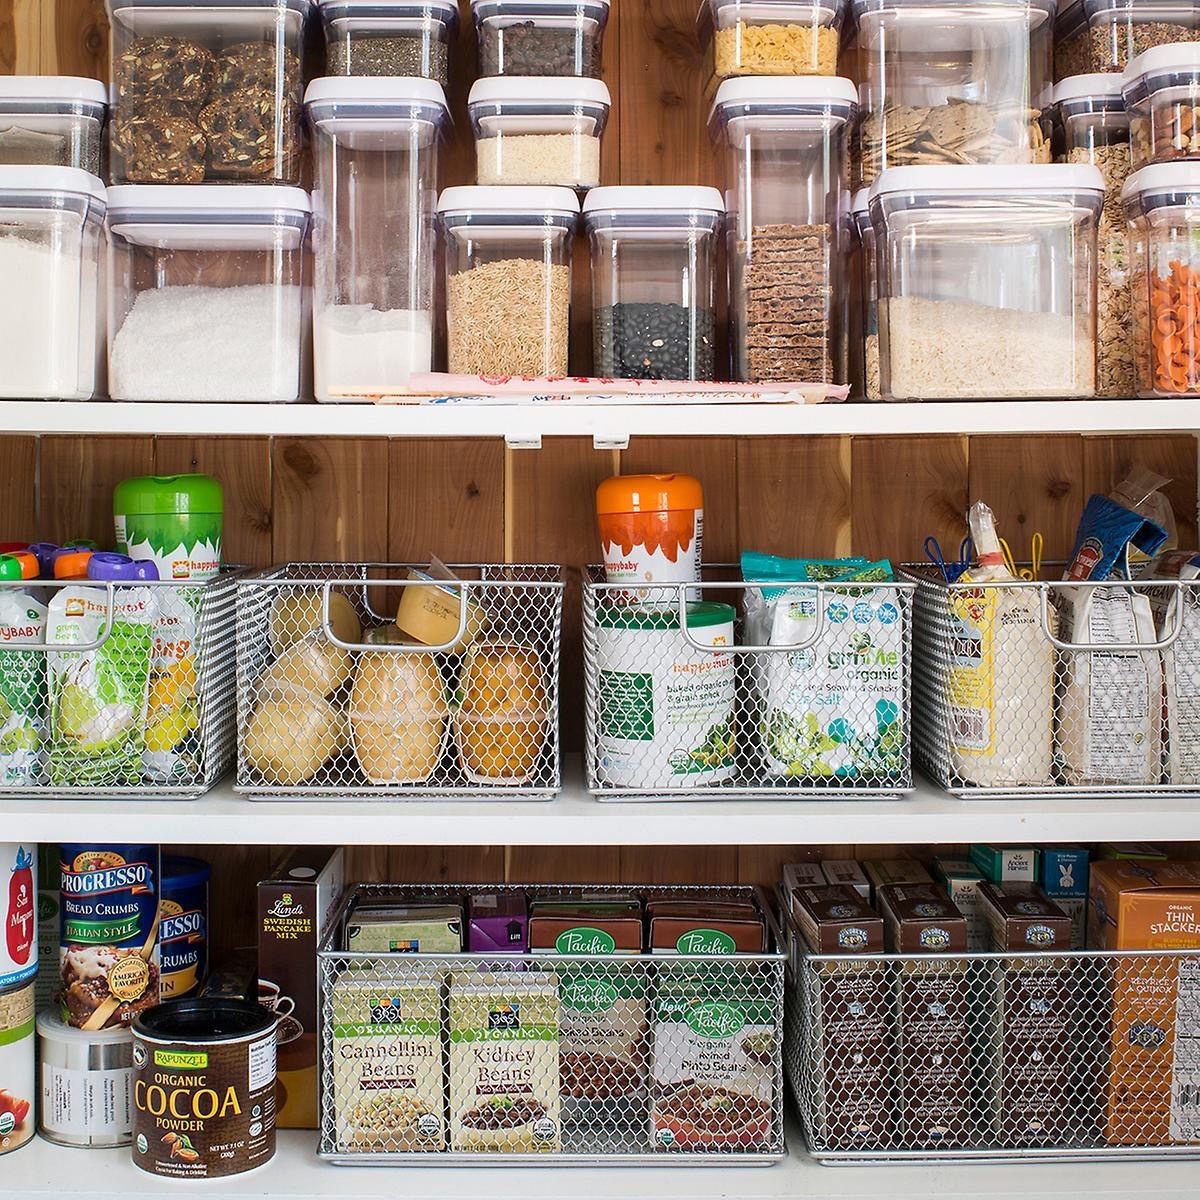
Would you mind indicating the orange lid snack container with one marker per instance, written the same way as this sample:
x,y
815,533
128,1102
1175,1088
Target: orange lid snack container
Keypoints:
x,y
651,530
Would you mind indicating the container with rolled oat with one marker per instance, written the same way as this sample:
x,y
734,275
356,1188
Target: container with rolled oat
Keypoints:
x,y
784,144
1162,95
206,91
772,37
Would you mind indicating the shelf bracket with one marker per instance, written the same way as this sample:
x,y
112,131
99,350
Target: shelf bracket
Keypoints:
x,y
523,441
610,441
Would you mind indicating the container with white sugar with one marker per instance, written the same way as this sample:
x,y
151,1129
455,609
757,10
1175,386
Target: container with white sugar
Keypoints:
x,y
207,298
375,152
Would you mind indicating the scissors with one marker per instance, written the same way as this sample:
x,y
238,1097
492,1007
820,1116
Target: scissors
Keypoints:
x,y
1037,546
952,570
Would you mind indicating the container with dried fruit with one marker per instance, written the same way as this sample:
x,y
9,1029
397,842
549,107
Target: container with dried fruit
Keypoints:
x,y
539,37
538,130
52,121
784,145
947,81
986,280
389,37
1162,205
653,257
1162,95
771,37
206,91
508,278
1093,127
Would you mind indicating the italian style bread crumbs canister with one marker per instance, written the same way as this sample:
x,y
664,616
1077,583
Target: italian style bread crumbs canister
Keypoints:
x,y
183,929
203,1088
86,1082
19,947
16,1067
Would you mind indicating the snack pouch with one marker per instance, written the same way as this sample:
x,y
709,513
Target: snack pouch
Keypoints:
x,y
22,686
1106,532
1142,491
98,697
173,709
1000,679
835,708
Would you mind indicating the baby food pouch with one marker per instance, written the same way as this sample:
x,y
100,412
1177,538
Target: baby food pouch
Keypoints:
x,y
22,686
98,697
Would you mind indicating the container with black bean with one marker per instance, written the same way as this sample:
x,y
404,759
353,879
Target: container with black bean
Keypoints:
x,y
653,340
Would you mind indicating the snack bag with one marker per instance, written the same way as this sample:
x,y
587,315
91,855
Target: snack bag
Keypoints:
x,y
22,685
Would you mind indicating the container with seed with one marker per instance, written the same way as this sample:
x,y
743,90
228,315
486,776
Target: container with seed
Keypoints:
x,y
389,37
539,37
1162,94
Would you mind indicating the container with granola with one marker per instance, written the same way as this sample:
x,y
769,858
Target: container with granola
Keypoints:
x,y
1119,30
772,37
1162,95
206,91
952,82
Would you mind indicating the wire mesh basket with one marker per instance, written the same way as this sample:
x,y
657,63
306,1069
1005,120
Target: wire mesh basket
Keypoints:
x,y
549,1058
336,697
1050,688
142,706
894,1058
788,690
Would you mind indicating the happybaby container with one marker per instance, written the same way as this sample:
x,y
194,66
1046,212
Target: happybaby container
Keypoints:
x,y
539,37
52,121
389,37
207,292
653,255
375,144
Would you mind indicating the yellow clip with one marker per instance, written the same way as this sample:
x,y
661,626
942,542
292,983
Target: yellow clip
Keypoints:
x,y
1030,573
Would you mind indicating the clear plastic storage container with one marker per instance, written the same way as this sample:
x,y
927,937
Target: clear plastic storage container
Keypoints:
x,y
653,256
784,147
1162,97
389,37
1105,35
538,130
375,149
52,121
508,278
986,280
864,316
51,262
1093,128
207,293
771,37
540,37
1162,204
952,81
206,91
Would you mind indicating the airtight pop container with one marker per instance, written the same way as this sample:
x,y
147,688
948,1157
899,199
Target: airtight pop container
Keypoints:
x,y
389,37
1162,204
864,312
508,278
952,81
539,37
51,259
207,293
375,147
52,121
651,531
653,262
1162,94
543,130
1105,35
207,91
783,144
986,280
771,37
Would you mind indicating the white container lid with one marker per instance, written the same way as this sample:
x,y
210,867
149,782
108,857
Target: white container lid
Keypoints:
x,y
300,6
1103,85
779,91
549,90
46,89
501,199
53,179
1163,178
991,177
53,1028
518,6
860,201
651,199
382,91
1161,60
249,198
444,10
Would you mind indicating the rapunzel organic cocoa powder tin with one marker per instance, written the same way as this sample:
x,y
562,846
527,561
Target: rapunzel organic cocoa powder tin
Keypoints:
x,y
204,1088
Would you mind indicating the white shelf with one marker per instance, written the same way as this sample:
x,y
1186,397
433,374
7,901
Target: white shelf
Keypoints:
x,y
42,1169
522,423
575,819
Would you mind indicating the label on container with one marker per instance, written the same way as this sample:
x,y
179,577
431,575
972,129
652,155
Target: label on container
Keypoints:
x,y
96,1105
16,1068
18,904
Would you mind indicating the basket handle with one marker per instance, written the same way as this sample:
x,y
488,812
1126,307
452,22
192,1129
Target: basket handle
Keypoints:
x,y
80,647
396,647
1175,614
750,647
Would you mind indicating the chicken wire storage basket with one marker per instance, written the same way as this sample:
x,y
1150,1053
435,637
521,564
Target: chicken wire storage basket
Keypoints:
x,y
1048,689
389,37
142,707
52,121
616,1031
379,680
771,37
987,280
539,37
374,232
686,700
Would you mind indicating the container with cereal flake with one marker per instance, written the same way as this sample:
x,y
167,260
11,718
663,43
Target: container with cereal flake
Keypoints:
x,y
772,37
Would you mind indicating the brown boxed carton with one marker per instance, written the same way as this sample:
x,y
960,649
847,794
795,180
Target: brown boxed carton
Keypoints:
x,y
1148,905
884,871
850,1013
295,908
1029,1047
933,1015
689,926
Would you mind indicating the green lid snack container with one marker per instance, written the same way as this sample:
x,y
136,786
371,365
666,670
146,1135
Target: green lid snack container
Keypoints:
x,y
175,521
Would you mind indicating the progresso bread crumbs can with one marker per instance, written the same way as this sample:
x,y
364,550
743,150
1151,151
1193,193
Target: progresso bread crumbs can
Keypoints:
x,y
16,1067
203,1088
183,929
108,947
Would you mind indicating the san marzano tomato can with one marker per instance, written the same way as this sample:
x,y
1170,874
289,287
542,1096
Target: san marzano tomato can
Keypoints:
x,y
18,904
17,1084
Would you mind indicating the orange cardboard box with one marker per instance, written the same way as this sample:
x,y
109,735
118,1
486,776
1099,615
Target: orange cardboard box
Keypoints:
x,y
1135,905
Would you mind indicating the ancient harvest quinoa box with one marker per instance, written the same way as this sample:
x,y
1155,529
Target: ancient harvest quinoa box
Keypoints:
x,y
1152,1095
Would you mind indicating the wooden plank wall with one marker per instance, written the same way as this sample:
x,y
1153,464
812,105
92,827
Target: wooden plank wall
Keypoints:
x,y
339,498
